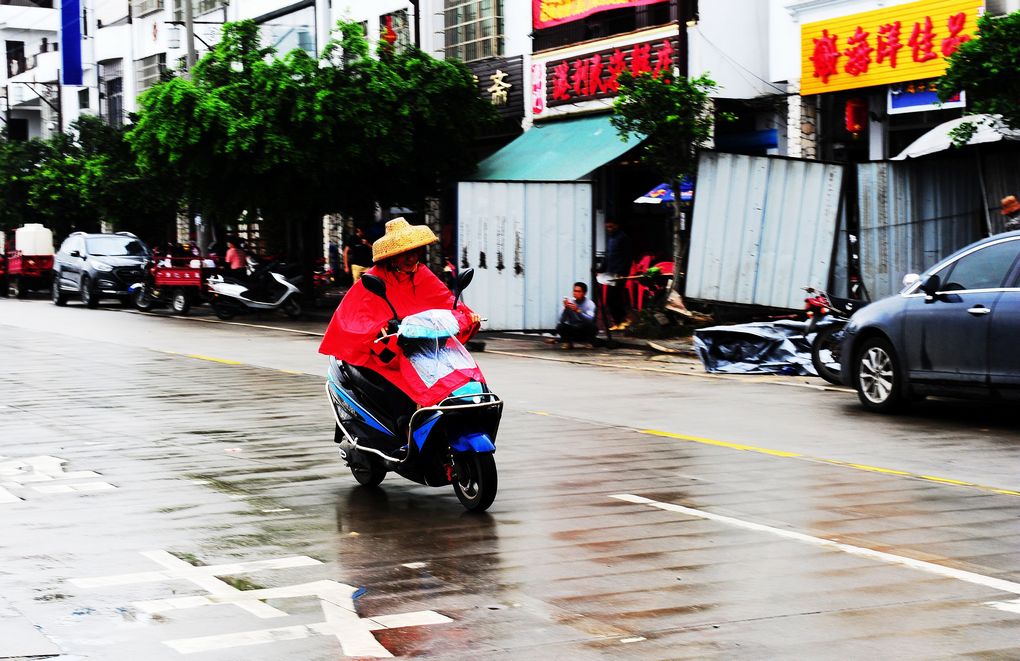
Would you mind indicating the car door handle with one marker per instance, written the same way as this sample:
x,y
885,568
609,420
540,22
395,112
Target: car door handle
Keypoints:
x,y
978,310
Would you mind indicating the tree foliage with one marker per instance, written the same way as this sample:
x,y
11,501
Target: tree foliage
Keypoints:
x,y
987,69
674,114
294,137
76,180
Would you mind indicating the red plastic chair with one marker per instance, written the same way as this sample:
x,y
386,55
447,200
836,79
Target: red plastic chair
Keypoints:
x,y
634,287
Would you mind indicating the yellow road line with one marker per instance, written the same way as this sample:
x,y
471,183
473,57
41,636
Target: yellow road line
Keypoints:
x,y
223,361
796,455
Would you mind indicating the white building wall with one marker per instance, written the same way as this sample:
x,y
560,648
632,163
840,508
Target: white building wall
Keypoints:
x,y
730,43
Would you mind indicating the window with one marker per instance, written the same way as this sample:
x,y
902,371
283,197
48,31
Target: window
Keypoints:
x,y
115,102
474,29
982,269
83,99
198,7
143,7
148,70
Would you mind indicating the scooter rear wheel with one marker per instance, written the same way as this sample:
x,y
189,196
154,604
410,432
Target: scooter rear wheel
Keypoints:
x,y
475,480
367,470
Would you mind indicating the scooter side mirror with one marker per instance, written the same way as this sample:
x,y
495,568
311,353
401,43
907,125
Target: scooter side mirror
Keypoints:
x,y
374,284
463,280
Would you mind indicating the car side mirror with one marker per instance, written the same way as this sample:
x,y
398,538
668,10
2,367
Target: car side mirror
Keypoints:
x,y
74,253
931,287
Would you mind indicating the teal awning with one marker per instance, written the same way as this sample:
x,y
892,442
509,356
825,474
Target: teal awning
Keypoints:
x,y
558,151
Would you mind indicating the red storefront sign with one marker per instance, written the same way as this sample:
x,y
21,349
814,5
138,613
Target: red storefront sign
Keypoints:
x,y
595,75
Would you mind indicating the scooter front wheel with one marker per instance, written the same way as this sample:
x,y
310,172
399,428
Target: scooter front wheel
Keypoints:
x,y
825,353
367,470
475,480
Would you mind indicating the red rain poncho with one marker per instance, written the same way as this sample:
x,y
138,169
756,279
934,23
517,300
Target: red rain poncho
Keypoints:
x,y
361,315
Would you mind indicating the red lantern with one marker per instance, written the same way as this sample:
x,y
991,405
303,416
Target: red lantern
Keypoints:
x,y
856,115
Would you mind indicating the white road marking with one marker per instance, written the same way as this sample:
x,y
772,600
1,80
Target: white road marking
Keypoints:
x,y
72,488
1012,606
635,639
204,577
340,619
929,567
44,468
413,565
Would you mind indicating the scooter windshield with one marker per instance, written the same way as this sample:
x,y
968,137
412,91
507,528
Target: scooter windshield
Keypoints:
x,y
429,342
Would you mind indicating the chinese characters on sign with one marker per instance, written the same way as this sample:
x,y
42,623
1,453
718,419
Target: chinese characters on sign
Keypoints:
x,y
596,75
500,81
863,50
547,13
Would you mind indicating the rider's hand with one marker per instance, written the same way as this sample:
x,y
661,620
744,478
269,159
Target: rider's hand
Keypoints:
x,y
475,319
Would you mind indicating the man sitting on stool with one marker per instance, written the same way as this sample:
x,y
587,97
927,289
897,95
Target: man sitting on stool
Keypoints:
x,y
577,321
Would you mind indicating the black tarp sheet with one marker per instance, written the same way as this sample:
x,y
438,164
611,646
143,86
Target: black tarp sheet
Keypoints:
x,y
778,347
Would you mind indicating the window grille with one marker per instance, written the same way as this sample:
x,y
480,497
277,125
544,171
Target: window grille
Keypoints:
x,y
143,7
198,7
148,71
474,29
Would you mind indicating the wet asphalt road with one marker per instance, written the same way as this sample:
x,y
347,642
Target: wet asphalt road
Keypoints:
x,y
170,490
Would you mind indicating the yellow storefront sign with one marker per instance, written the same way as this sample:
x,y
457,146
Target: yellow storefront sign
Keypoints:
x,y
549,13
904,42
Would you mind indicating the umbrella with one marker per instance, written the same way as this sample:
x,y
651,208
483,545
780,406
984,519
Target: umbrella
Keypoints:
x,y
664,193
990,128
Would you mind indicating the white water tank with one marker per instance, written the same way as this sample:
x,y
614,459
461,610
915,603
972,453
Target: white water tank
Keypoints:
x,y
33,239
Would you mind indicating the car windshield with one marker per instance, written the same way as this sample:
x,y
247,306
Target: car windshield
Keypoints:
x,y
118,246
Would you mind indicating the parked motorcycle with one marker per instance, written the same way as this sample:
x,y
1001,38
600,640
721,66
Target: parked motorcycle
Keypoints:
x,y
452,442
827,318
264,289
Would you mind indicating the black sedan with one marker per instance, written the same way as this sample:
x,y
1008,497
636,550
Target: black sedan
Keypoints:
x,y
953,330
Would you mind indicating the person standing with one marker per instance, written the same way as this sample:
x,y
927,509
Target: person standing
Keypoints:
x,y
236,258
1011,213
618,263
357,255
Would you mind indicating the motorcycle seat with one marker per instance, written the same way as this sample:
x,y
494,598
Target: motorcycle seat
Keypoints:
x,y
382,397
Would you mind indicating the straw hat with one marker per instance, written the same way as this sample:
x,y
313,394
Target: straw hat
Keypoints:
x,y
1010,205
400,237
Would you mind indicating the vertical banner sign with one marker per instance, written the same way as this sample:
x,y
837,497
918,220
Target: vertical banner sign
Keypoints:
x,y
70,42
548,13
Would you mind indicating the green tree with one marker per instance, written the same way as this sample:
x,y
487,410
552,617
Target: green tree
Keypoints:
x,y
987,69
674,115
293,138
18,161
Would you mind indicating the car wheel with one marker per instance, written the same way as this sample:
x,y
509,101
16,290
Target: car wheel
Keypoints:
x,y
877,377
14,288
57,294
179,301
88,294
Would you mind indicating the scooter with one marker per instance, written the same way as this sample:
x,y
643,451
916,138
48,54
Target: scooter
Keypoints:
x,y
379,430
827,317
263,289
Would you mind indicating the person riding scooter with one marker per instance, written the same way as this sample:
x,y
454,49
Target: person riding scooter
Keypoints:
x,y
361,332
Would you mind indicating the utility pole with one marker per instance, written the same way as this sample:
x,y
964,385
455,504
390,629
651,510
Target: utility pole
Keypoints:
x,y
189,29
60,105
417,22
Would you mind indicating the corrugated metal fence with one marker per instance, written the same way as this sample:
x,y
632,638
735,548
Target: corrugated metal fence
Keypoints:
x,y
911,215
763,228
528,243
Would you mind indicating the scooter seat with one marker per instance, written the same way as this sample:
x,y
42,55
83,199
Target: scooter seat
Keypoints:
x,y
381,396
